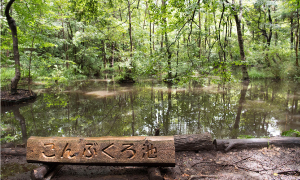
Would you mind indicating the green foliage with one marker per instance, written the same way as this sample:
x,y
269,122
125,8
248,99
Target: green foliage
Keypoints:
x,y
186,41
291,132
7,74
5,135
259,73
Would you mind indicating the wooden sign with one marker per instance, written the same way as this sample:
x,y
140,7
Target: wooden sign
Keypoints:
x,y
135,150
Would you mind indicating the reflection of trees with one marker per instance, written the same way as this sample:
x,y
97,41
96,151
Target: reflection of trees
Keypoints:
x,y
21,119
239,110
139,110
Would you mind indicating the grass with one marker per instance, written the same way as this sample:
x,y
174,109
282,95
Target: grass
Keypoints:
x,y
7,73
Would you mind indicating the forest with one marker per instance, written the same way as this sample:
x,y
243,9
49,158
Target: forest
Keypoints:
x,y
88,68
172,40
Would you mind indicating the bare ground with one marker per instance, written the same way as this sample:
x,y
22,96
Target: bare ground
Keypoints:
x,y
266,163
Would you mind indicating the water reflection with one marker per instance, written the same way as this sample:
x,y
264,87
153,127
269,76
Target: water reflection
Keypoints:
x,y
102,108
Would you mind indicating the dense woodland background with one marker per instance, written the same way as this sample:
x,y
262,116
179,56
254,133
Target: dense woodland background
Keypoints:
x,y
173,40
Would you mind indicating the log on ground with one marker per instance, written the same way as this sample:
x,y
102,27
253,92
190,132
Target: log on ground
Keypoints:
x,y
227,144
14,151
193,142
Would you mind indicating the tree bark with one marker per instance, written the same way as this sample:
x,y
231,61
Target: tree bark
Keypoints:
x,y
150,34
297,36
227,144
240,40
169,76
130,31
14,151
193,142
103,53
40,172
292,34
13,28
199,43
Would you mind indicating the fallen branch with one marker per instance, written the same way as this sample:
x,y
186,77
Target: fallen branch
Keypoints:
x,y
14,151
295,173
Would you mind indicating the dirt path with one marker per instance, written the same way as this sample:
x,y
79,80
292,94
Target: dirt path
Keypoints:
x,y
272,163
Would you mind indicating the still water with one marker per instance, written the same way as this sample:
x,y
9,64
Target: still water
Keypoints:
x,y
103,108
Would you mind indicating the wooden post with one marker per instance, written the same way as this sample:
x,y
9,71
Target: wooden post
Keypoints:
x,y
40,172
154,172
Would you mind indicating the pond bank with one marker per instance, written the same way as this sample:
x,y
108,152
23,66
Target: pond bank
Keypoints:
x,y
263,163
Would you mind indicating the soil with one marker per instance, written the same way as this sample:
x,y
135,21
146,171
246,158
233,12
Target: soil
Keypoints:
x,y
265,163
22,95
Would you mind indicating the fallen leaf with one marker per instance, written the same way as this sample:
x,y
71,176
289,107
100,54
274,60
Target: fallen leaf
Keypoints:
x,y
185,175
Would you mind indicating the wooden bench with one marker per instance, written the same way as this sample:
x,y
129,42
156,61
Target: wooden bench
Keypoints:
x,y
151,151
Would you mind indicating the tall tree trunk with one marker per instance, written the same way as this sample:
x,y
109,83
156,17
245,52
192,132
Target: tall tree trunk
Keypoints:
x,y
112,54
13,28
103,53
169,77
199,43
130,35
205,29
153,37
150,40
297,36
29,67
292,34
238,18
145,16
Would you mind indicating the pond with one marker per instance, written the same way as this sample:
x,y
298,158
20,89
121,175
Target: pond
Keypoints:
x,y
100,107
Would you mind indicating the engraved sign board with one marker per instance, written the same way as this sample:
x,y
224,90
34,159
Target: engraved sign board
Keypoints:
x,y
135,150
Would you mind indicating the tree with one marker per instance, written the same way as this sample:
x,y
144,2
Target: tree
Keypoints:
x,y
238,18
13,28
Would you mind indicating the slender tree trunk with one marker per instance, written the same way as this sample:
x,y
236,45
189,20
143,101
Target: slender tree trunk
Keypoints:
x,y
199,43
292,34
241,41
169,77
153,37
130,31
205,29
150,40
30,63
145,16
177,56
13,28
1,4
113,54
103,53
297,37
